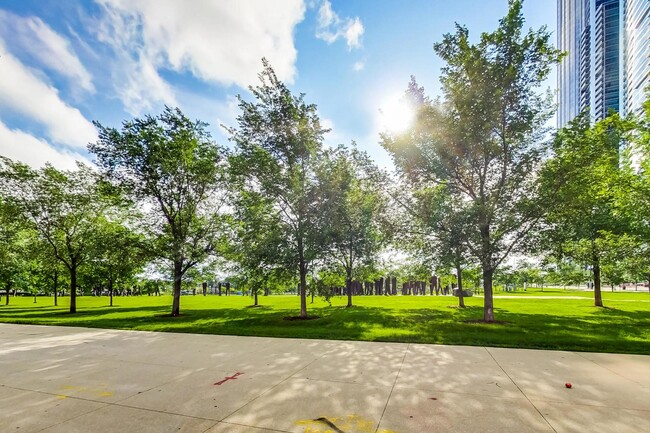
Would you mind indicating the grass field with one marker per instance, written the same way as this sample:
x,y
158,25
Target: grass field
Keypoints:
x,y
554,323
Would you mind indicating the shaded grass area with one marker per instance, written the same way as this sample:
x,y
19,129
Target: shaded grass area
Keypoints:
x,y
565,324
629,293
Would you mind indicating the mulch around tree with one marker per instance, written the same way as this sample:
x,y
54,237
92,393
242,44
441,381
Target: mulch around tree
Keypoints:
x,y
292,318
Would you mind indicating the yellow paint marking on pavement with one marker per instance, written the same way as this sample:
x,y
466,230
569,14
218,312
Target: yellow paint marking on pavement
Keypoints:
x,y
346,424
99,391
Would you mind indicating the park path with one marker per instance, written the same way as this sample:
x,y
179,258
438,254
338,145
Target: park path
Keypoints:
x,y
63,379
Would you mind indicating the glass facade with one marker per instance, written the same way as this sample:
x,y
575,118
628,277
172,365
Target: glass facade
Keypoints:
x,y
637,54
574,38
608,56
607,50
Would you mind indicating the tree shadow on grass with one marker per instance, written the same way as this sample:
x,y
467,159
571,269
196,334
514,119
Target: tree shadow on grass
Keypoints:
x,y
603,330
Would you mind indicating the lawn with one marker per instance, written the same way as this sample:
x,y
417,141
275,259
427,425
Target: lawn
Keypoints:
x,y
553,323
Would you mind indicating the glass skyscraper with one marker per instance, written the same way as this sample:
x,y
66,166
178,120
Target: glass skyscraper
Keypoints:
x,y
574,38
637,54
607,58
607,63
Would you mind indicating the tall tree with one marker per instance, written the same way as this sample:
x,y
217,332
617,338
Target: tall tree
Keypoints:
x,y
256,234
638,262
12,244
173,169
588,218
277,143
63,206
349,185
485,140
119,253
443,219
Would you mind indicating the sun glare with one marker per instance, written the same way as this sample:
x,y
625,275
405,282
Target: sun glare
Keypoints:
x,y
396,115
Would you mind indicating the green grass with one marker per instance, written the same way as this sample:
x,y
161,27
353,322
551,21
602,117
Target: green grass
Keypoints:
x,y
567,324
642,293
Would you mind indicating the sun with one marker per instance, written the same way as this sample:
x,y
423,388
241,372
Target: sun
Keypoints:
x,y
395,114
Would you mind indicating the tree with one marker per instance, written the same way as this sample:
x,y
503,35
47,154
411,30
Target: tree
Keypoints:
x,y
484,141
12,244
51,270
256,234
638,261
119,254
349,185
277,142
64,207
588,219
170,166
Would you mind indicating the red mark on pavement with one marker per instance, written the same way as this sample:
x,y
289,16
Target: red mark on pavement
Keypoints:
x,y
433,398
568,385
227,378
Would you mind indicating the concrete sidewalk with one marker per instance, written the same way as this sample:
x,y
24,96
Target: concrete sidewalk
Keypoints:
x,y
60,379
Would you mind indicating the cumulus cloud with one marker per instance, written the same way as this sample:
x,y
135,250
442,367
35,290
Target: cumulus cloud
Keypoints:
x,y
23,92
332,27
21,146
222,42
358,66
31,35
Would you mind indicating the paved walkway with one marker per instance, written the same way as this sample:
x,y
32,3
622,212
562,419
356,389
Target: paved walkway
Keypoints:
x,y
60,379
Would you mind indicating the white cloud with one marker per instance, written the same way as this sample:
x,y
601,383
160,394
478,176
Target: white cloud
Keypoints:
x,y
50,49
222,42
358,66
23,92
21,146
331,27
353,33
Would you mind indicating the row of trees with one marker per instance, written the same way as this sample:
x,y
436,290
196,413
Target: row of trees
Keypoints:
x,y
480,176
279,206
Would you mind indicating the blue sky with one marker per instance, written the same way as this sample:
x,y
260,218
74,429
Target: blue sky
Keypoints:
x,y
65,64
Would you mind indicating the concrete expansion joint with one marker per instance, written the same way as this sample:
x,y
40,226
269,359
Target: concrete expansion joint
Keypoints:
x,y
520,390
408,345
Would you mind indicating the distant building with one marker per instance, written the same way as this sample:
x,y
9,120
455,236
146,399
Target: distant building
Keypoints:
x,y
637,54
607,63
607,42
574,38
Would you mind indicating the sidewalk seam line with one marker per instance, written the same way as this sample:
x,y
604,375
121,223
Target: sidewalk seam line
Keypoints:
x,y
408,345
520,390
608,369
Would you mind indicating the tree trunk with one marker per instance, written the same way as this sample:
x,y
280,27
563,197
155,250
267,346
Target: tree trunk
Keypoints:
x,y
8,289
73,289
56,287
461,299
348,285
303,289
488,305
256,304
598,299
176,304
110,290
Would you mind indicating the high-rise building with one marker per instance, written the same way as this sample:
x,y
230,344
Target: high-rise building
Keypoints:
x,y
608,56
637,54
607,95
574,38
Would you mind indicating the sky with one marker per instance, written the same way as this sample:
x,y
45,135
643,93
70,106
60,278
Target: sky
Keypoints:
x,y
66,64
